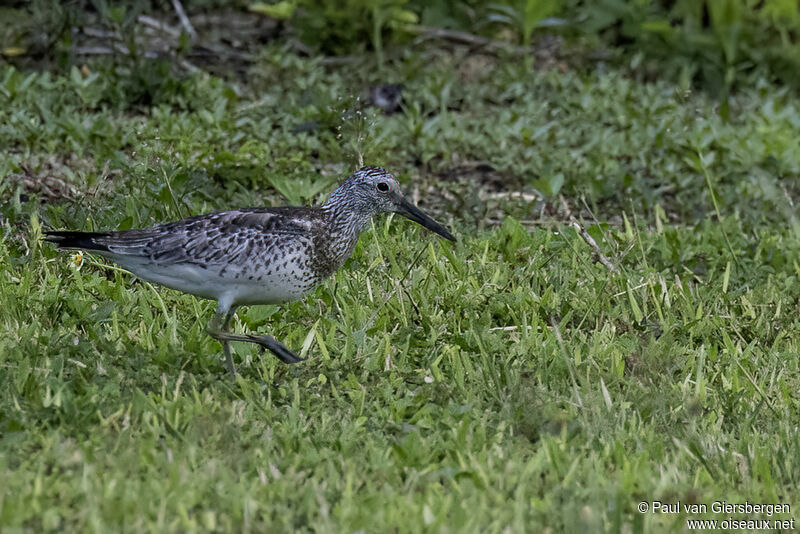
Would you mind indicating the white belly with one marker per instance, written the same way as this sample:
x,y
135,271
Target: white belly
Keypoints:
x,y
269,286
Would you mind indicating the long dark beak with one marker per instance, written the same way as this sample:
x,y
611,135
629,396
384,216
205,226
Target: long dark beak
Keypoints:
x,y
410,211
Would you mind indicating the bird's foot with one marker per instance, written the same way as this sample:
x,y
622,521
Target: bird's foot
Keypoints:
x,y
277,348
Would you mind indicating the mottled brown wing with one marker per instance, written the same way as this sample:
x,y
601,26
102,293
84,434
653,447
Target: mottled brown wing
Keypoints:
x,y
227,237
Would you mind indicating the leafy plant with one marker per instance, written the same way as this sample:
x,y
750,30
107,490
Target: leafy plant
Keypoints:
x,y
341,27
717,43
523,15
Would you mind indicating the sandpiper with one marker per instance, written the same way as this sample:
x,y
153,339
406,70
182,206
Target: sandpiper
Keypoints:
x,y
257,255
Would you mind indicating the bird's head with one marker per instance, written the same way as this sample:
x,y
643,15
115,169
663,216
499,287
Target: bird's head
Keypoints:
x,y
375,190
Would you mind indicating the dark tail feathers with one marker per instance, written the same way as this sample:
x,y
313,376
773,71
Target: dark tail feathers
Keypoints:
x,y
84,240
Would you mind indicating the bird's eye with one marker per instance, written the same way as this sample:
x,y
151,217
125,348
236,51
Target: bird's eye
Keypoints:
x,y
383,187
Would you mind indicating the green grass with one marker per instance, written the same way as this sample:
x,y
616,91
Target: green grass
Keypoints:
x,y
507,381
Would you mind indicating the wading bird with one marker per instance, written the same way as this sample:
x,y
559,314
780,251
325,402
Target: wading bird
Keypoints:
x,y
254,256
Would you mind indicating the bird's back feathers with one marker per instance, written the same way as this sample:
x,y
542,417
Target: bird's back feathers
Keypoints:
x,y
219,237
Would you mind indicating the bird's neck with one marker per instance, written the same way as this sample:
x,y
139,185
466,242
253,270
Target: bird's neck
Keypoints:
x,y
347,214
347,224
344,226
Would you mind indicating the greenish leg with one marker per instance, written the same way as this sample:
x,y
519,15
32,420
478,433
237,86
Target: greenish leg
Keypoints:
x,y
218,329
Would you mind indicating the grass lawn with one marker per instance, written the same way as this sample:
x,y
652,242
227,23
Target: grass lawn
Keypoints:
x,y
508,381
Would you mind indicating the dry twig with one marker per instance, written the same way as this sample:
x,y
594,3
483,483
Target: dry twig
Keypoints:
x,y
466,38
592,243
185,22
156,24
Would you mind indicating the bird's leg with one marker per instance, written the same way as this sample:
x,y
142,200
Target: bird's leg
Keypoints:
x,y
267,342
218,330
